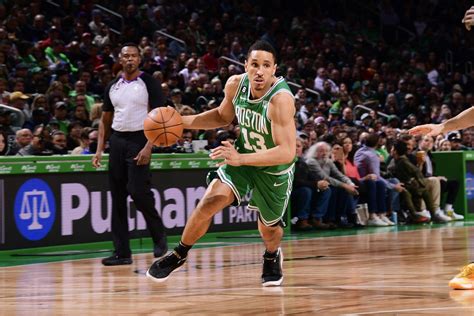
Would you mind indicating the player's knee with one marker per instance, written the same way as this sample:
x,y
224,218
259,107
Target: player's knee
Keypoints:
x,y
210,205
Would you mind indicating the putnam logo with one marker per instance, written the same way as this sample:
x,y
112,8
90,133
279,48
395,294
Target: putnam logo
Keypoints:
x,y
34,209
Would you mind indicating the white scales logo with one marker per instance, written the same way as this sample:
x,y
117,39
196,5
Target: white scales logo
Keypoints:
x,y
33,206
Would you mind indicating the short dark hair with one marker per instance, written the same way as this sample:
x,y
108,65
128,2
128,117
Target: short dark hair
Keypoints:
x,y
265,46
372,140
130,44
400,147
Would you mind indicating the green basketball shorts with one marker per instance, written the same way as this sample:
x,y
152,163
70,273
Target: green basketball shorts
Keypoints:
x,y
270,192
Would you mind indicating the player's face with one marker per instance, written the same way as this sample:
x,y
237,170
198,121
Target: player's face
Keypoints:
x,y
260,67
130,59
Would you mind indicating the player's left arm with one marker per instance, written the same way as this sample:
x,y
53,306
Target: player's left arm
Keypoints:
x,y
281,111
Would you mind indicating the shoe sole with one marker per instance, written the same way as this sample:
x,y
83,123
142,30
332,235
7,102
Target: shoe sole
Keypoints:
x,y
158,280
279,281
459,286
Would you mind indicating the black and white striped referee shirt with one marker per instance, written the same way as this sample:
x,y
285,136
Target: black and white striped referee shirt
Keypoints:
x,y
131,101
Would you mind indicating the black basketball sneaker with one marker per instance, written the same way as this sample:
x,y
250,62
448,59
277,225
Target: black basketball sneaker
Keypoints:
x,y
272,274
161,269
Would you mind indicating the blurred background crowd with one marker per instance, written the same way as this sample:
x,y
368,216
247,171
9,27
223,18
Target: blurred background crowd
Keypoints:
x,y
359,70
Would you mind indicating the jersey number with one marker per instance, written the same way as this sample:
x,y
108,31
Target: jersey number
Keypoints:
x,y
259,140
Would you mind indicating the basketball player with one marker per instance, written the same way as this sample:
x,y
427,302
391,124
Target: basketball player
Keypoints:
x,y
261,162
127,101
465,279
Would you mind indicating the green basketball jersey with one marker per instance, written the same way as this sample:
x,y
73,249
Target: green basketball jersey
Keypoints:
x,y
255,126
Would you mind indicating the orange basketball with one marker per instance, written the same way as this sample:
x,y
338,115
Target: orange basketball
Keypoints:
x,y
163,126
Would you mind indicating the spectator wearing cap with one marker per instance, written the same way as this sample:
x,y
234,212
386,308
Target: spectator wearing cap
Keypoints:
x,y
456,141
365,121
367,94
5,121
177,98
18,100
60,116
334,115
39,116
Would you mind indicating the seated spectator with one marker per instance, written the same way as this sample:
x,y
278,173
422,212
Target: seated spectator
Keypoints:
x,y
415,186
342,188
39,145
370,187
23,138
456,141
74,135
4,148
59,141
433,185
83,142
310,195
444,145
367,161
450,186
60,116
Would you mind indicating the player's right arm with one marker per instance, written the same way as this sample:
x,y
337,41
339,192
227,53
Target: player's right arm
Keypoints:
x,y
221,116
462,120
105,127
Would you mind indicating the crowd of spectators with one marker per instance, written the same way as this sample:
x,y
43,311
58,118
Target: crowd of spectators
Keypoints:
x,y
405,62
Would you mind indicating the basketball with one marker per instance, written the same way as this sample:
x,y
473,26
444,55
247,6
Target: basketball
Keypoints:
x,y
163,126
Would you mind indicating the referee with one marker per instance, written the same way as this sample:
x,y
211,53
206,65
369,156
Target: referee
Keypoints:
x,y
127,101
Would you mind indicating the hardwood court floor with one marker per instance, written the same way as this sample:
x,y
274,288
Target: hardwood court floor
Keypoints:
x,y
383,273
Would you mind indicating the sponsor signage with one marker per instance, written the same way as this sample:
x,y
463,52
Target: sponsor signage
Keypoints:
x,y
56,208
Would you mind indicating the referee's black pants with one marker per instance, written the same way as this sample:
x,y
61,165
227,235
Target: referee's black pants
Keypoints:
x,y
126,178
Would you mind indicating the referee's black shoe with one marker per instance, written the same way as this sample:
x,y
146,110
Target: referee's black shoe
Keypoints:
x,y
115,260
272,274
161,269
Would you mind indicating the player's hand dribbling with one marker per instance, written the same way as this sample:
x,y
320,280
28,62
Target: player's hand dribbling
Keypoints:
x,y
426,129
227,152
